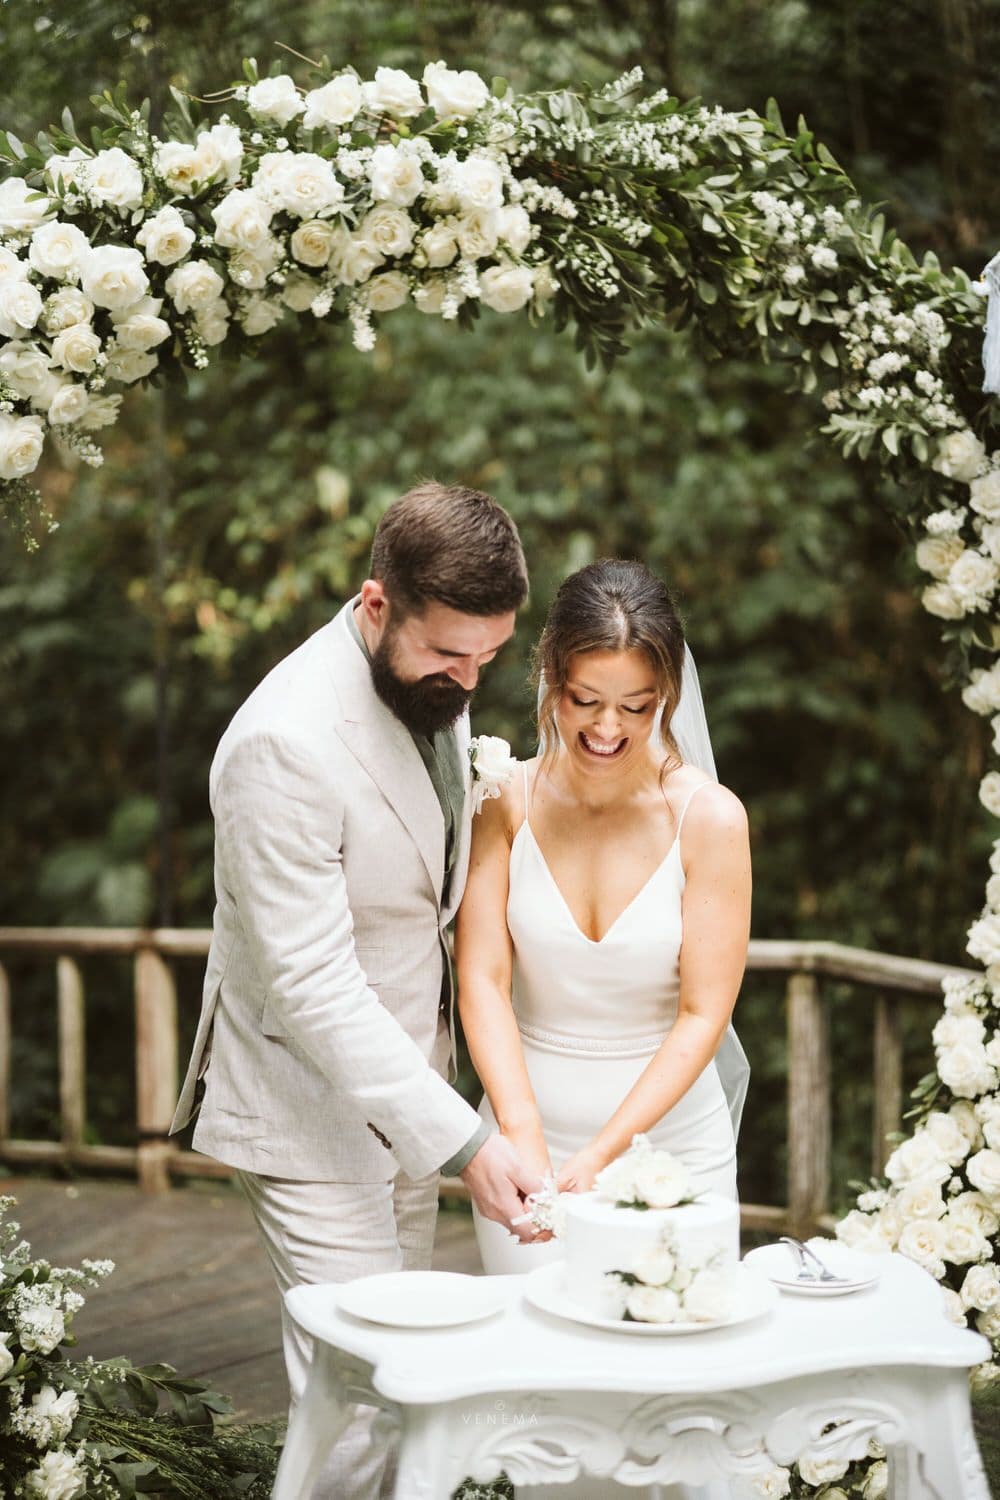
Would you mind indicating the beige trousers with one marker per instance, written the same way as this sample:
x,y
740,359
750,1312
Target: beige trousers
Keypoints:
x,y
336,1231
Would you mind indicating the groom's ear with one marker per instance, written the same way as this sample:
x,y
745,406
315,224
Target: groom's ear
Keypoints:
x,y
375,603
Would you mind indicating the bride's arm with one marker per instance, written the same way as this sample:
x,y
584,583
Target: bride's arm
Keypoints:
x,y
484,964
716,918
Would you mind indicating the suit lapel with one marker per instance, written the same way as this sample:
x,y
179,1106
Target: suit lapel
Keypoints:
x,y
463,833
385,749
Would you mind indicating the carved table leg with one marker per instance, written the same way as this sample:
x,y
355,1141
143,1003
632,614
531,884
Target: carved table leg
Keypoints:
x,y
316,1424
950,1463
426,1468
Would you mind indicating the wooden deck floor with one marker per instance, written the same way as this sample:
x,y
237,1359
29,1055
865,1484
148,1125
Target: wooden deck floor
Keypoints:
x,y
192,1286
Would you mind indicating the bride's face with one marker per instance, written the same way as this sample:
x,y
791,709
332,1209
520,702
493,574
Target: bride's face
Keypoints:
x,y
606,710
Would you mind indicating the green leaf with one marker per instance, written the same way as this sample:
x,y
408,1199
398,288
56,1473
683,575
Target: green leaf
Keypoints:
x,y
890,437
499,87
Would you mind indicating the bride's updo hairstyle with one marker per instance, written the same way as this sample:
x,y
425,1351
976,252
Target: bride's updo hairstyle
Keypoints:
x,y
612,605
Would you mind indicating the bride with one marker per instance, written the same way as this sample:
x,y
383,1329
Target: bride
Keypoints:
x,y
602,938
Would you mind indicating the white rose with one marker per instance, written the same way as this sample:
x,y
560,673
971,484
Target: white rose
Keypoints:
x,y
963,1115
921,1200
20,306
76,348
821,1470
981,1288
661,1182
652,1304
615,1183
25,368
915,1159
709,1297
194,285
275,99
102,412
514,227
57,1477
58,249
181,166
112,179
476,234
983,1171
129,365
299,292
393,92
21,208
966,1070
260,314
985,495
212,321
875,1485
960,456
973,1209
984,940
251,268
993,884
300,182
991,1134
64,308
12,265
862,1231
989,792
952,1030
20,446
477,182
655,1266
438,244
948,1136
387,230
954,1311
774,1484
312,243
506,289
333,105
225,144
141,330
242,220
429,298
454,95
396,176
387,292
989,1322
6,1358
58,1411
963,1243
113,276
353,259
972,578
940,599
936,554
65,169
41,1329
923,1240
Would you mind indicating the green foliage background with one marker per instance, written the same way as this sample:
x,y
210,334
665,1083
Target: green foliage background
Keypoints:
x,y
231,520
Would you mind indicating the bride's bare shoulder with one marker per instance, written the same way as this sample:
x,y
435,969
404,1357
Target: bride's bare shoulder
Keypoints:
x,y
714,810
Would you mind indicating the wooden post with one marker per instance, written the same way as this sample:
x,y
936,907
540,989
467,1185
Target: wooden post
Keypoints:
x,y
4,1055
888,1080
808,1105
72,1052
155,1067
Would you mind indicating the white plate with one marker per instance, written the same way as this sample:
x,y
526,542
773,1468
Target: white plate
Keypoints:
x,y
545,1288
422,1299
778,1264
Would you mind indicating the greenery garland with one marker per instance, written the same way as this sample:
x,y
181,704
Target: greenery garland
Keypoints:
x,y
125,257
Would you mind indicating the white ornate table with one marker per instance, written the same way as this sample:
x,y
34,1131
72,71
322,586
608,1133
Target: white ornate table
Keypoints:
x,y
547,1400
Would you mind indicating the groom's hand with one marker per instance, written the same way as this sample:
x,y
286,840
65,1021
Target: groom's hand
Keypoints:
x,y
499,1183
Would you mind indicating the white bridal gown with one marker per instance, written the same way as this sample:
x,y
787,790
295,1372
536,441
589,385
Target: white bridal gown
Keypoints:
x,y
591,1015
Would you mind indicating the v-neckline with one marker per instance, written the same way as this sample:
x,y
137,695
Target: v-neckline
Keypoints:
x,y
594,942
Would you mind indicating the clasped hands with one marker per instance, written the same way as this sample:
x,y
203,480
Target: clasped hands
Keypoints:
x,y
506,1170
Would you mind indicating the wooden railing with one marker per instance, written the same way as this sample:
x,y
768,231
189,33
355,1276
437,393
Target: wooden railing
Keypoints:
x,y
155,1158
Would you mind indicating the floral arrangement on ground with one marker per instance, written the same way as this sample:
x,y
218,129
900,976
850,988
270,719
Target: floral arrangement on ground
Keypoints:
x,y
81,1428
128,254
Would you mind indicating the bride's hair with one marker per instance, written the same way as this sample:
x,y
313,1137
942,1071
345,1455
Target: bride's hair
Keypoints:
x,y
611,605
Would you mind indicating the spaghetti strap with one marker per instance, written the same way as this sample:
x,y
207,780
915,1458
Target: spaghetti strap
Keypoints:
x,y
524,793
691,797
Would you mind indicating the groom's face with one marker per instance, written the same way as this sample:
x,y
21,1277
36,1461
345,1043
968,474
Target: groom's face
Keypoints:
x,y
425,666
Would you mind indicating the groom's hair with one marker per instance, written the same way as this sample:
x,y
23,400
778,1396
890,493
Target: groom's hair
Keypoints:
x,y
452,545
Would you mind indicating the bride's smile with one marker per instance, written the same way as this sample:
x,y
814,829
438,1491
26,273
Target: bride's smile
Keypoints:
x,y
606,710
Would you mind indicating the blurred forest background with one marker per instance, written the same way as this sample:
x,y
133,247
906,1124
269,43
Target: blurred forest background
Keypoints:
x,y
231,520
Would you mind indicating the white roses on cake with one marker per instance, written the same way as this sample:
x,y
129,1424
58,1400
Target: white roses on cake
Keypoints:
x,y
644,1178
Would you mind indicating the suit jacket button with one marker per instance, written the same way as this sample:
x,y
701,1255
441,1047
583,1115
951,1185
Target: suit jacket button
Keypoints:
x,y
379,1136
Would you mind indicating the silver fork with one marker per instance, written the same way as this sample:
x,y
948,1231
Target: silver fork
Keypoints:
x,y
821,1273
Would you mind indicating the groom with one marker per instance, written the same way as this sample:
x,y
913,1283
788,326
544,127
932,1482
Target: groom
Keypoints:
x,y
340,797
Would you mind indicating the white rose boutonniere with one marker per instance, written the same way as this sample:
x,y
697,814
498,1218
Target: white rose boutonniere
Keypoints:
x,y
492,768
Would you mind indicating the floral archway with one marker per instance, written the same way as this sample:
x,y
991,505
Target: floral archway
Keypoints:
x,y
344,199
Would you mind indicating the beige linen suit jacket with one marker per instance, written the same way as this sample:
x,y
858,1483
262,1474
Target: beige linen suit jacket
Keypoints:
x,y
320,1023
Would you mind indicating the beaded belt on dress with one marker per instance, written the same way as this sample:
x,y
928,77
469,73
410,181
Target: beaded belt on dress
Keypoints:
x,y
633,1046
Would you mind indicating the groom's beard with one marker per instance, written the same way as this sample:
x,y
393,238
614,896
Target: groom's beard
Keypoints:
x,y
424,706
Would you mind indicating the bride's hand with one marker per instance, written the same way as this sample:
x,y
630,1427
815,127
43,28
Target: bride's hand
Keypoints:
x,y
531,1148
577,1174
